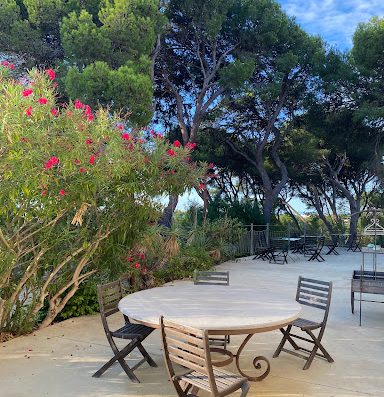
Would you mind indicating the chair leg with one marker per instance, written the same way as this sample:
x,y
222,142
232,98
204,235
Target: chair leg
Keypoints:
x,y
119,356
244,389
317,342
353,302
317,345
146,355
284,339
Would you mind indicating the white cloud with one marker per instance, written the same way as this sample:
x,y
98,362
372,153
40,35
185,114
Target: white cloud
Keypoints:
x,y
334,20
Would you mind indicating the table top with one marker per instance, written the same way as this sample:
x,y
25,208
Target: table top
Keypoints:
x,y
234,309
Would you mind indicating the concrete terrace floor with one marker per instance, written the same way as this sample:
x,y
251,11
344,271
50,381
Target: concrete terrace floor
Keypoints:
x,y
59,361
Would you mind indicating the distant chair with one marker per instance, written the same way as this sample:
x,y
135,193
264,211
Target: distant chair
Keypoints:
x,y
262,248
189,347
109,296
279,251
213,278
317,294
355,243
315,251
333,244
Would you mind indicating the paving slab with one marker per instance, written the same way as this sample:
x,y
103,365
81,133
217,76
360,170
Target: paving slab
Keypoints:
x,y
59,360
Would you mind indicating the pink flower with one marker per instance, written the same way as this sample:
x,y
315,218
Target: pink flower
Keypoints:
x,y
187,158
27,92
129,259
82,170
23,139
88,142
78,104
92,159
119,127
44,192
202,186
90,117
77,161
28,111
51,74
4,63
141,255
176,144
62,192
54,160
11,66
48,165
137,265
211,165
43,101
54,112
171,152
126,136
190,145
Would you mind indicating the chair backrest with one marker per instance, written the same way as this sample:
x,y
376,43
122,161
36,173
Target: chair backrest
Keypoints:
x,y
211,278
109,296
320,243
188,347
279,244
314,293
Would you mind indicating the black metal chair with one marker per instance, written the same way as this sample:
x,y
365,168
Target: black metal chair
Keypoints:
x,y
262,248
201,277
315,251
333,244
279,251
355,243
189,347
109,296
317,294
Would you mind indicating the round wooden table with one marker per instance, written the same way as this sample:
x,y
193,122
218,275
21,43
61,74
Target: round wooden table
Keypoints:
x,y
222,310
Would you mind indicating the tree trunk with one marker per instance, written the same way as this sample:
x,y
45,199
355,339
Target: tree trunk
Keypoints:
x,y
354,220
167,217
268,203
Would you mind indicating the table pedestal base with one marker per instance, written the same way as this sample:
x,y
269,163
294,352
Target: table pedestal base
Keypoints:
x,y
260,363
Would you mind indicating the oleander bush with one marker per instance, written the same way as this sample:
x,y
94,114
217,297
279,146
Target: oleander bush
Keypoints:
x,y
78,188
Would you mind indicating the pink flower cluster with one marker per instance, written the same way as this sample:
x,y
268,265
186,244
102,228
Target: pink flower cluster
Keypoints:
x,y
51,162
87,109
7,65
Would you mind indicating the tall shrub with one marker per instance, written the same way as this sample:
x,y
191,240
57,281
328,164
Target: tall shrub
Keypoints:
x,y
72,179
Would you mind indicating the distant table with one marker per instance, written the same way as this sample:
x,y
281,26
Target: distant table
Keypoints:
x,y
222,310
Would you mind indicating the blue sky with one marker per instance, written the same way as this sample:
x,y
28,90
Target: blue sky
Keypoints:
x,y
334,20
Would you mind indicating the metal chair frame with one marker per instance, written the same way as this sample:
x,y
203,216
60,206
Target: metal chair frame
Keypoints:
x,y
109,296
279,251
315,252
189,347
317,294
333,244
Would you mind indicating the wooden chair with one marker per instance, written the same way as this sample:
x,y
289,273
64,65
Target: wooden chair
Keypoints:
x,y
317,294
189,347
109,296
279,251
315,252
213,278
